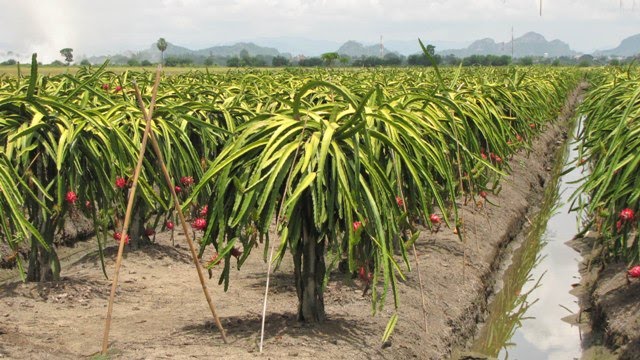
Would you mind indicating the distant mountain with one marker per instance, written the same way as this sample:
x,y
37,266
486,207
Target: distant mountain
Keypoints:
x,y
153,54
235,49
312,47
355,49
628,47
297,45
409,47
529,44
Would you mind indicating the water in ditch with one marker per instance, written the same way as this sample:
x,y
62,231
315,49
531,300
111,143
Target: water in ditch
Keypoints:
x,y
532,314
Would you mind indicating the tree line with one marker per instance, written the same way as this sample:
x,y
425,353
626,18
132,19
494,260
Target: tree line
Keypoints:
x,y
330,59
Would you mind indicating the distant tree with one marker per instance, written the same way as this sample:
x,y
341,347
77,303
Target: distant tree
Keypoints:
x,y
368,61
585,60
431,49
146,63
279,61
68,55
208,61
503,60
171,61
311,62
162,46
133,62
526,61
233,62
418,60
614,62
329,57
392,59
245,58
452,60
258,61
85,62
344,60
57,63
9,62
178,61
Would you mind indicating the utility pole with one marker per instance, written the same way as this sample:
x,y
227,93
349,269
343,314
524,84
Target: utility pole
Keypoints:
x,y
381,48
512,44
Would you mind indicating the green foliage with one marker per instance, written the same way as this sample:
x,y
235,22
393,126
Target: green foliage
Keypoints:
x,y
311,62
209,61
246,60
279,61
162,46
610,139
329,58
526,61
486,60
316,150
172,61
68,55
390,59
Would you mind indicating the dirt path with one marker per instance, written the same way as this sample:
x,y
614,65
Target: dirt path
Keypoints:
x,y
161,312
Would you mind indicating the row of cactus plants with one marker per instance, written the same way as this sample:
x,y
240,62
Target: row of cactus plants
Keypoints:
x,y
345,162
610,137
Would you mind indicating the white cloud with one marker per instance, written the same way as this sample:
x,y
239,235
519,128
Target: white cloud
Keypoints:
x,y
108,27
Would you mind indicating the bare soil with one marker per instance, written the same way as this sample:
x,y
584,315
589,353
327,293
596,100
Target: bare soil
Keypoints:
x,y
160,311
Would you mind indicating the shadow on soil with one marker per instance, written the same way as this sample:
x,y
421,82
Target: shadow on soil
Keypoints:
x,y
152,251
282,328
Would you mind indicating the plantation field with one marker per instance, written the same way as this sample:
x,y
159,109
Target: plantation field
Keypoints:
x,y
160,311
385,192
609,201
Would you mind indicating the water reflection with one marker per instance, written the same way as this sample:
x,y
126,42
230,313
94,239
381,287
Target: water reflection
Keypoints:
x,y
526,316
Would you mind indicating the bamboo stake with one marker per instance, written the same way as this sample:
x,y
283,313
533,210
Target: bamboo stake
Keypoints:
x,y
127,218
183,221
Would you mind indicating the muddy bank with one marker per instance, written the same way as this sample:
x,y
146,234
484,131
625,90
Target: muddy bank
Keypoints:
x,y
609,304
160,311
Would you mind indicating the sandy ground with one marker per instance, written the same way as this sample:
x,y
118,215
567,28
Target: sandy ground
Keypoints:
x,y
160,311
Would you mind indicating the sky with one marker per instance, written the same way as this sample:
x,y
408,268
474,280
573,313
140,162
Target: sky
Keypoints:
x,y
109,27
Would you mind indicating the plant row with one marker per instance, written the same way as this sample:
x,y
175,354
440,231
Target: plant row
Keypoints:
x,y
609,142
340,164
